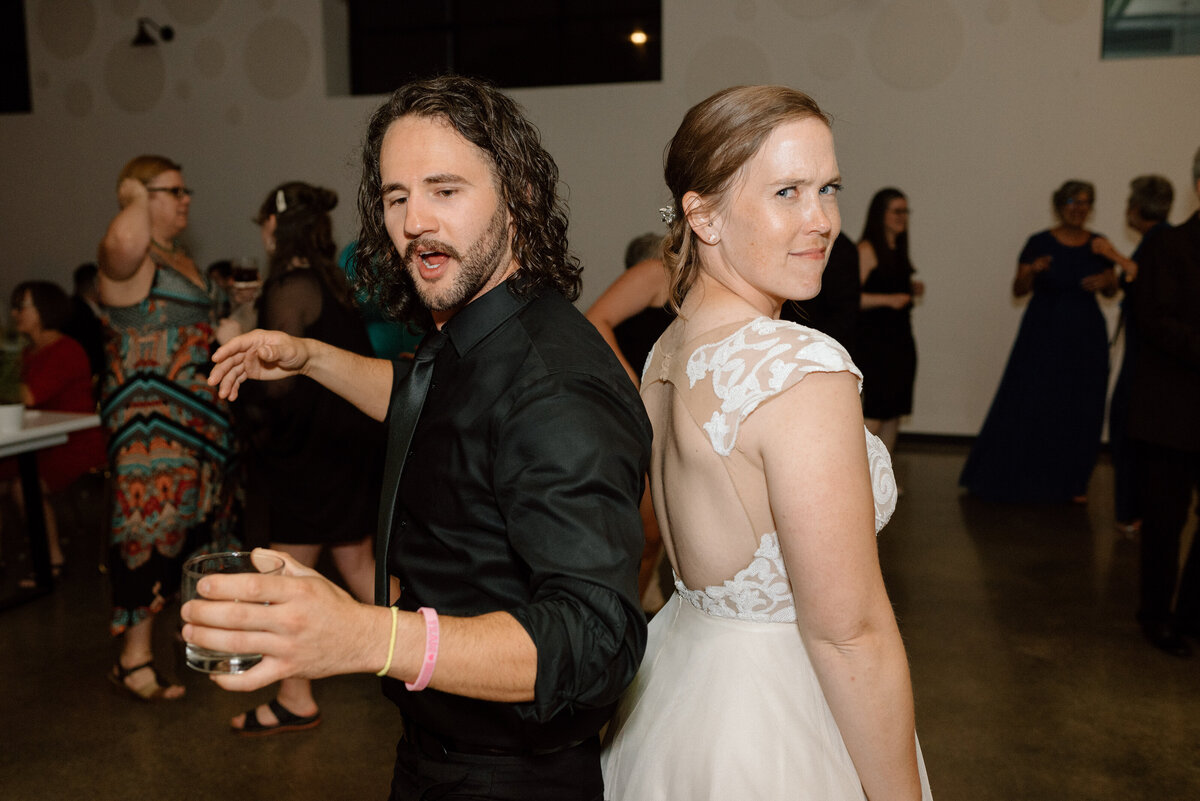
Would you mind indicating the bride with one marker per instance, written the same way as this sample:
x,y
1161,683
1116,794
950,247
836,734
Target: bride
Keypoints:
x,y
777,669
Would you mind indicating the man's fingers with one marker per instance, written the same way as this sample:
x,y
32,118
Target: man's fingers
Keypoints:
x,y
259,676
290,566
231,641
250,588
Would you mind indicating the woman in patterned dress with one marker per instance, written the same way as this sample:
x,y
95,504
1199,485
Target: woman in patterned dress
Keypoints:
x,y
776,670
170,446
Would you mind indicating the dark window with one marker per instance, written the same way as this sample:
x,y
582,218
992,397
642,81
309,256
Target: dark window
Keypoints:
x,y
1140,28
15,95
527,43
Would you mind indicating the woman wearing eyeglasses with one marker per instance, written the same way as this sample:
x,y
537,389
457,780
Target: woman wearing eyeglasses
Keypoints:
x,y
885,350
170,445
1042,434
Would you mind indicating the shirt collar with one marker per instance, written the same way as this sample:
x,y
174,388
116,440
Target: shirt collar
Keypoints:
x,y
482,316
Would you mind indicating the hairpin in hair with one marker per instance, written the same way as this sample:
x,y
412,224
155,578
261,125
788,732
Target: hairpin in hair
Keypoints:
x,y
668,214
280,202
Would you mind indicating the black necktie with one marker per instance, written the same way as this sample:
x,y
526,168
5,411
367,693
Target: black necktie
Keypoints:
x,y
406,409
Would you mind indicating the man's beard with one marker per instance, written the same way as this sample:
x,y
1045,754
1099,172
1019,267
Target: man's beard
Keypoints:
x,y
483,259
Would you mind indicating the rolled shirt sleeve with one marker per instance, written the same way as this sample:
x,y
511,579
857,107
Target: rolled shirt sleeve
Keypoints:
x,y
568,476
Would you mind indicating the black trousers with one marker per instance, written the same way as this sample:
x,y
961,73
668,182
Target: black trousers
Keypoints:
x,y
1123,449
1165,479
424,772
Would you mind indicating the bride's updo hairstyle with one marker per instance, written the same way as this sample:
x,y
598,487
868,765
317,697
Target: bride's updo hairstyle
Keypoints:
x,y
716,138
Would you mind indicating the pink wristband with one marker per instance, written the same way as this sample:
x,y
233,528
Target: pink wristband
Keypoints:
x,y
431,650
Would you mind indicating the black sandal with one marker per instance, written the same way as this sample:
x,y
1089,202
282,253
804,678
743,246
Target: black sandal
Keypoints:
x,y
151,692
288,721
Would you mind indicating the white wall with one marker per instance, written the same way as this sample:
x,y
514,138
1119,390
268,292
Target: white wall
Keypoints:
x,y
977,109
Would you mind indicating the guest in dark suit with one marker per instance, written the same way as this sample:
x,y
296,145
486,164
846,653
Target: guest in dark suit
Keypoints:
x,y
1149,204
1164,422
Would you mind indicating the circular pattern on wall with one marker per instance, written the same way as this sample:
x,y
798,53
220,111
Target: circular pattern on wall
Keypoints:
x,y
1064,10
209,57
277,58
830,57
66,27
810,9
134,77
77,98
915,44
191,12
723,62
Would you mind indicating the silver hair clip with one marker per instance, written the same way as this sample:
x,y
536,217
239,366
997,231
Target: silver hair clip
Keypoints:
x,y
280,202
668,214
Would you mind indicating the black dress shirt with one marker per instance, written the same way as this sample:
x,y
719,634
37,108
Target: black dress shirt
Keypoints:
x,y
520,494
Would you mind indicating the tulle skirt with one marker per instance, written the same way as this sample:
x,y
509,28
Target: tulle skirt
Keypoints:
x,y
724,709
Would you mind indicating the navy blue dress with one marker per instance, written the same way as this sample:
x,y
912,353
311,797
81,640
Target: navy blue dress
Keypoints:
x,y
1042,433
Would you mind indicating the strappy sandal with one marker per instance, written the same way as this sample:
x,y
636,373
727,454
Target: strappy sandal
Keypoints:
x,y
155,691
288,721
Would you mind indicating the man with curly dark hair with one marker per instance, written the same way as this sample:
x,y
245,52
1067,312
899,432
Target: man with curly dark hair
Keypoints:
x,y
525,177
509,515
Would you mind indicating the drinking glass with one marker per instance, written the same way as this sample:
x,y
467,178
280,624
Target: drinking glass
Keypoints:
x,y
203,659
244,272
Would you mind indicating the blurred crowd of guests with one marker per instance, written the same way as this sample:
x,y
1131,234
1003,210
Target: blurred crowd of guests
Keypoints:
x,y
1042,434
186,471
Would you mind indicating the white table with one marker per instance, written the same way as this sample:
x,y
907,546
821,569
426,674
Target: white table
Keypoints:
x,y
39,430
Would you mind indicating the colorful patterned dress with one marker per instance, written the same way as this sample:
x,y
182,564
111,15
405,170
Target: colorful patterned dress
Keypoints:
x,y
170,444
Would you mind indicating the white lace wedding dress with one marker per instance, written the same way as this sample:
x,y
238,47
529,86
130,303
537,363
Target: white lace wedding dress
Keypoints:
x,y
726,704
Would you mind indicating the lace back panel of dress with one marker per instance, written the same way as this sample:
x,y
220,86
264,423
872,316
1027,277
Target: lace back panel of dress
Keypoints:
x,y
756,362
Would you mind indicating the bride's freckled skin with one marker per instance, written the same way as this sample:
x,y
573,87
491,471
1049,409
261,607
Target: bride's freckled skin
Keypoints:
x,y
774,233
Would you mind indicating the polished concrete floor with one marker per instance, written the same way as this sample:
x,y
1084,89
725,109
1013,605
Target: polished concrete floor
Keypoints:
x,y
1031,679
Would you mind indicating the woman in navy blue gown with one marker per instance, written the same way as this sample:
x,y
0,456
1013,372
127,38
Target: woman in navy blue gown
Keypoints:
x,y
1042,433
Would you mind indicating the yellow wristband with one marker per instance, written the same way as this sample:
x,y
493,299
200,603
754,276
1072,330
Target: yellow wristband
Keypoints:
x,y
391,645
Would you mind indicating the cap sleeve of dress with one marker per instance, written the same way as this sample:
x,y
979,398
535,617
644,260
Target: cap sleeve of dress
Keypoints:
x,y
755,363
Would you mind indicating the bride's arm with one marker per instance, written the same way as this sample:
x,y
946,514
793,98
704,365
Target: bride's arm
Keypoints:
x,y
811,442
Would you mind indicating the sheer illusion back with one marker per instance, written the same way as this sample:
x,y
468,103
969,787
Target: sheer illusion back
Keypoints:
x,y
714,514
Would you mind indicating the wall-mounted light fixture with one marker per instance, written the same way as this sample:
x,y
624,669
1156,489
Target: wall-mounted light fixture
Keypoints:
x,y
144,37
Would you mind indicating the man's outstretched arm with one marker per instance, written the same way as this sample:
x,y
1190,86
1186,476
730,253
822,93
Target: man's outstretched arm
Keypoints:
x,y
272,355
